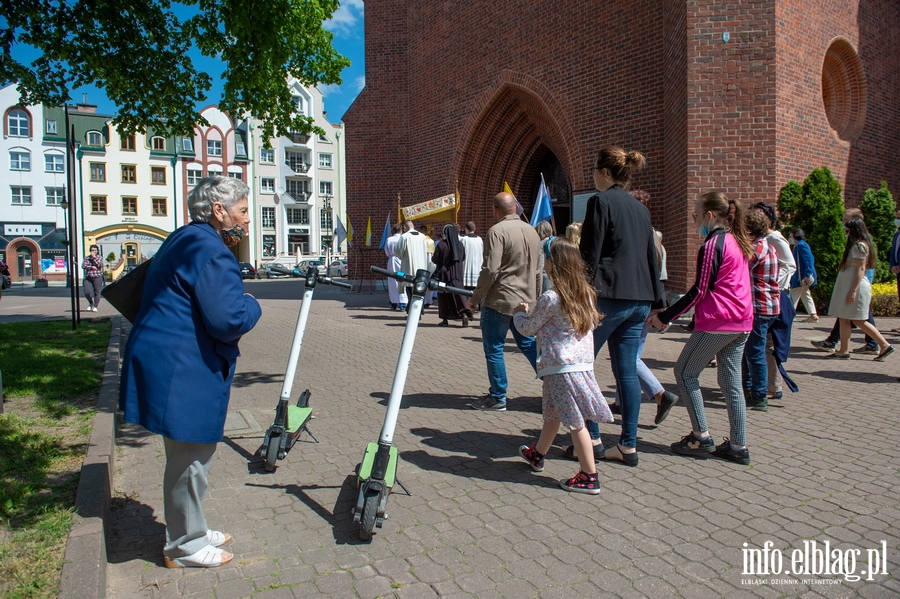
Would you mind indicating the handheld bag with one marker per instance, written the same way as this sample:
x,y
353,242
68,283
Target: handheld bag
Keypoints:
x,y
125,293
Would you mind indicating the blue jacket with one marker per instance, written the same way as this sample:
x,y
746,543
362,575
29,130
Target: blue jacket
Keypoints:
x,y
806,264
179,359
895,250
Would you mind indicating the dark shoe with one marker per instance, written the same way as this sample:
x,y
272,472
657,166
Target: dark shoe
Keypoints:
x,y
726,452
534,458
582,483
761,406
443,323
776,395
841,356
865,349
616,454
488,404
885,354
614,408
599,453
691,445
668,400
823,345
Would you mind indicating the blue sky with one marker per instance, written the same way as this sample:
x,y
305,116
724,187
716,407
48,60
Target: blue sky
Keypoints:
x,y
347,26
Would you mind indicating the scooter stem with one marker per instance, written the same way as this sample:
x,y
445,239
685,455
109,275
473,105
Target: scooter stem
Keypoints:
x,y
295,346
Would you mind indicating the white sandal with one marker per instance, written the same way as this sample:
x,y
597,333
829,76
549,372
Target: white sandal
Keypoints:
x,y
208,557
218,539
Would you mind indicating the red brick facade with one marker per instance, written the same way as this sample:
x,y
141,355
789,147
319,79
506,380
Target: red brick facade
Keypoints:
x,y
480,93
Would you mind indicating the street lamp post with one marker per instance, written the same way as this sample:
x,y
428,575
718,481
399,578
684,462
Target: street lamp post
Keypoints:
x,y
69,266
326,223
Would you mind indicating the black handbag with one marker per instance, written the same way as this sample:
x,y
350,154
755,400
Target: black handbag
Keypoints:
x,y
125,293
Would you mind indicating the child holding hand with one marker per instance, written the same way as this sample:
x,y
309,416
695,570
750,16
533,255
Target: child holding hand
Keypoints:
x,y
563,320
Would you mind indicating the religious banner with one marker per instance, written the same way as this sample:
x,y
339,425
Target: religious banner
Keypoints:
x,y
430,208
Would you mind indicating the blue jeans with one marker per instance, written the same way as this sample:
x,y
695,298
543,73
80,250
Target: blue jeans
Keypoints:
x,y
755,370
622,323
494,327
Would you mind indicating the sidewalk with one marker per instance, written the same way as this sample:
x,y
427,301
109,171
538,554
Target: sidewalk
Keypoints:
x,y
479,522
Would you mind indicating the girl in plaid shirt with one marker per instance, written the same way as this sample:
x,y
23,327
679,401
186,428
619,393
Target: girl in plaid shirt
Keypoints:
x,y
766,307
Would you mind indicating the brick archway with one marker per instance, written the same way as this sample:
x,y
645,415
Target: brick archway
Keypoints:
x,y
513,123
12,252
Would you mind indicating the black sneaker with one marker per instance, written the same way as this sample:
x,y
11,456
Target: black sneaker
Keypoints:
x,y
534,458
726,452
488,404
691,445
668,400
823,346
871,350
582,483
761,406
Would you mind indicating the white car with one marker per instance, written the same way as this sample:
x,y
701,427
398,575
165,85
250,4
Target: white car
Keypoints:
x,y
338,268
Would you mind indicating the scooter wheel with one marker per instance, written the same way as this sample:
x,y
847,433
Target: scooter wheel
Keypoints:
x,y
367,521
272,453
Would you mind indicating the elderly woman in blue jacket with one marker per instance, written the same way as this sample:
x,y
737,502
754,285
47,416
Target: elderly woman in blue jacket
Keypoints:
x,y
180,357
805,276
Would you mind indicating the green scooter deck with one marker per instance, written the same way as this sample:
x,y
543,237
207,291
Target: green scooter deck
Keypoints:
x,y
365,470
297,418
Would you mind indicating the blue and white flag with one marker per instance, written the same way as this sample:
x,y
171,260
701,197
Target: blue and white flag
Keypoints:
x,y
340,233
542,208
386,232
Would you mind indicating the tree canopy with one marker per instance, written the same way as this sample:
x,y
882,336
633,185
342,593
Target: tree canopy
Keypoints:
x,y
138,52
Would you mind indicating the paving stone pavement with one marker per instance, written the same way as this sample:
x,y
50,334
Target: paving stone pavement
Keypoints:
x,y
479,522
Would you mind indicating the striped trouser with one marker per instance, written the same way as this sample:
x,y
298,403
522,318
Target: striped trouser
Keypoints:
x,y
727,348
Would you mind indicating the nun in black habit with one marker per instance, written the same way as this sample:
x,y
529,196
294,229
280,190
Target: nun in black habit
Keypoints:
x,y
448,258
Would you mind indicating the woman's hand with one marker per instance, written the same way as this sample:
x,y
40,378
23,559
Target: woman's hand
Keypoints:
x,y
655,322
851,297
523,307
807,282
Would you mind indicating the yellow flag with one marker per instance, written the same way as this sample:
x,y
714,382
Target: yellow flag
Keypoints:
x,y
508,189
369,232
349,229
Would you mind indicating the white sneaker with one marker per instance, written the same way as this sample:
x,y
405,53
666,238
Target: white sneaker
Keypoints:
x,y
208,557
94,309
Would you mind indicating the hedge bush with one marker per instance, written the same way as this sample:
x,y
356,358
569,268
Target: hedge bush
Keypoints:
x,y
878,207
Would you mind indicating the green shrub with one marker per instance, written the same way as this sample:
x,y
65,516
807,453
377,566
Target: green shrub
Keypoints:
x,y
789,197
878,207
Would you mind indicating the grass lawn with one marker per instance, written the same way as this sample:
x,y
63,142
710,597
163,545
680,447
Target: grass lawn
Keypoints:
x,y
51,377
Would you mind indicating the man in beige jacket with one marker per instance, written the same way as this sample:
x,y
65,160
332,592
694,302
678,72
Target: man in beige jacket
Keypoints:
x,y
509,276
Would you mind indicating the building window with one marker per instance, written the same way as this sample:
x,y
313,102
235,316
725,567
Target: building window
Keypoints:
x,y
160,206
187,144
298,101
298,189
129,206
268,246
158,175
127,142
51,127
236,175
158,144
21,196
325,188
94,138
17,123
324,139
194,176
298,216
268,217
19,161
324,160
55,195
240,149
98,171
299,163
129,173
54,163
267,155
267,185
214,147
98,204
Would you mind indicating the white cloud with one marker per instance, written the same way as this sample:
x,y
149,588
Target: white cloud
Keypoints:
x,y
346,18
329,88
359,83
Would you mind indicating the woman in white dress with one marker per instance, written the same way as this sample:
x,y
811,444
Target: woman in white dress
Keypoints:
x,y
853,292
397,298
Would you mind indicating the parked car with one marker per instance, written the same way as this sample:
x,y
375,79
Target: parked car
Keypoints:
x,y
266,270
248,271
300,269
338,268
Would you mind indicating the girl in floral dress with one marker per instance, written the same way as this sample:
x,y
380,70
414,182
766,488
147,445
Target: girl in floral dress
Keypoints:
x,y
563,320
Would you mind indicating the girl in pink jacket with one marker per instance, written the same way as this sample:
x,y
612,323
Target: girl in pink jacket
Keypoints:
x,y
723,316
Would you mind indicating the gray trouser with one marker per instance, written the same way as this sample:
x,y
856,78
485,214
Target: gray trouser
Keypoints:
x,y
184,486
92,289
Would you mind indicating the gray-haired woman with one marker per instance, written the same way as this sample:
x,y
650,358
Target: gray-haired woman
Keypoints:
x,y
180,357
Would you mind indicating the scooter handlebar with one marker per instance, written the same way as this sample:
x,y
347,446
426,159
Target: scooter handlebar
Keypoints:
x,y
448,289
330,281
400,276
433,284
281,270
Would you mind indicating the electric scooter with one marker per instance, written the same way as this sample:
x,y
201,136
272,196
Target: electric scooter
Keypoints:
x,y
291,421
377,472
